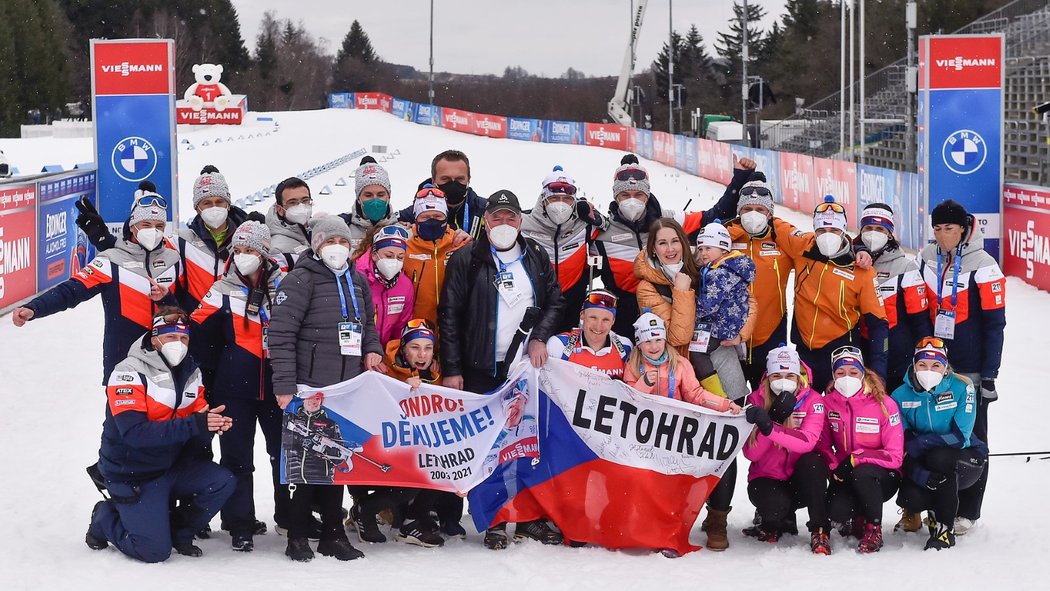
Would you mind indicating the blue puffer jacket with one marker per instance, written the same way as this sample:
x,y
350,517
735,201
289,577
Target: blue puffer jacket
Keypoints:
x,y
723,299
941,417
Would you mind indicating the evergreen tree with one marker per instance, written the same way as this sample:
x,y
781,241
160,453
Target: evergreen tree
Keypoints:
x,y
356,66
357,45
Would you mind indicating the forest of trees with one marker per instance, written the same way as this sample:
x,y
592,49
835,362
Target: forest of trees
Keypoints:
x,y
44,59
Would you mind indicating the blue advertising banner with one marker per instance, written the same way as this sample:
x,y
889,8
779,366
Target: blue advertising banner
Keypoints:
x,y
768,162
526,130
62,247
679,151
428,115
692,165
644,140
341,100
563,132
402,109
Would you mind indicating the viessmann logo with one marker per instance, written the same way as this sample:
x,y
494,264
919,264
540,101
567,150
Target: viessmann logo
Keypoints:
x,y
958,63
126,69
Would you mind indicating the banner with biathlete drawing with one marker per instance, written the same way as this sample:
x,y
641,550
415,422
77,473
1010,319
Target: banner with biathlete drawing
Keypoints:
x,y
375,430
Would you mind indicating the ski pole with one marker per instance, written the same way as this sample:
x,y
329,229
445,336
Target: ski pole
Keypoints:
x,y
1020,453
686,206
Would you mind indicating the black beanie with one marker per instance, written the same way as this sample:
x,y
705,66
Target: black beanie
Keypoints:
x,y
950,212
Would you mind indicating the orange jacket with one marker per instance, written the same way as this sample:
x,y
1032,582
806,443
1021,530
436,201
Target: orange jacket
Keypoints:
x,y
686,386
772,269
679,314
402,373
830,298
425,264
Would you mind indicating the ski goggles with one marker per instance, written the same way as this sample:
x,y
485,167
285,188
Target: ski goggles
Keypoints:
x,y
417,328
829,206
430,192
559,188
932,349
601,299
632,174
151,199
392,235
935,342
760,191
847,355
170,323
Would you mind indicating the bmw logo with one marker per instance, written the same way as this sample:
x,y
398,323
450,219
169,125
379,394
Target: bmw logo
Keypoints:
x,y
964,151
134,159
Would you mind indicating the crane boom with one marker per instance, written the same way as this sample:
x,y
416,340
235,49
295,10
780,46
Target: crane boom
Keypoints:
x,y
618,103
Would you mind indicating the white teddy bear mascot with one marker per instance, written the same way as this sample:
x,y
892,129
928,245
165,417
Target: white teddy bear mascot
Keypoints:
x,y
207,88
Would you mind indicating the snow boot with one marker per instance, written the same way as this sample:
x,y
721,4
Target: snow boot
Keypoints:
x,y
760,533
243,543
872,540
298,549
340,549
420,532
496,537
538,530
95,540
453,529
819,542
963,525
366,525
910,522
188,549
941,538
717,536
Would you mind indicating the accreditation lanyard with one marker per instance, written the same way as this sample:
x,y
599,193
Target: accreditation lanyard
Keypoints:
x,y
670,379
465,226
503,266
342,297
956,266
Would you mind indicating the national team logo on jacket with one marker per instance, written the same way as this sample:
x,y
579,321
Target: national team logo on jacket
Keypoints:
x,y
964,151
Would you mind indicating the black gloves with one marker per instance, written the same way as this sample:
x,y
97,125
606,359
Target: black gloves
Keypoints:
x,y
586,212
844,469
783,406
988,390
934,480
256,216
757,416
93,225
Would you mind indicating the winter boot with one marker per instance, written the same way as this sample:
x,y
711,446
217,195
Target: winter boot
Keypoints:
x,y
243,543
963,525
453,529
819,542
366,525
538,530
941,538
761,533
872,540
496,537
189,549
299,550
420,532
340,548
94,539
910,522
717,536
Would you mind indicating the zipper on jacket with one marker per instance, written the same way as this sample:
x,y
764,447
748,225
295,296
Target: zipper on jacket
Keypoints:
x,y
313,355
816,310
437,278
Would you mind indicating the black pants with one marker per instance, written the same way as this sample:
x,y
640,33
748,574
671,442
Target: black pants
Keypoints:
x,y
755,364
777,500
373,499
862,493
328,500
238,456
963,467
721,498
971,499
819,360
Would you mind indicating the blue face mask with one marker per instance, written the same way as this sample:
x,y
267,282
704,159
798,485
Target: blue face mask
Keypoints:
x,y
431,229
375,209
659,360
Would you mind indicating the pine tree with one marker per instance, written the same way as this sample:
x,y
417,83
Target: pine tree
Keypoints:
x,y
356,66
357,45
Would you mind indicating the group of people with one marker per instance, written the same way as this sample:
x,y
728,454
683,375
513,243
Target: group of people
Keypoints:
x,y
213,329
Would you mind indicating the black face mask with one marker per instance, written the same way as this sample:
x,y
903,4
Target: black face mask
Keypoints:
x,y
431,229
454,192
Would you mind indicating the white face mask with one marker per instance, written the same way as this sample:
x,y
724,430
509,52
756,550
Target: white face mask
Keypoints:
x,y
300,214
632,209
503,237
829,244
874,240
673,269
389,268
247,263
149,238
174,352
335,256
559,212
929,379
754,222
783,385
215,217
848,386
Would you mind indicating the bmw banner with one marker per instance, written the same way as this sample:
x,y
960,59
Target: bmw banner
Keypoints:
x,y
961,129
133,92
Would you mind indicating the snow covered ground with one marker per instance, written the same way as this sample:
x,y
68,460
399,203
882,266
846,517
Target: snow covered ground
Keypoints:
x,y
51,374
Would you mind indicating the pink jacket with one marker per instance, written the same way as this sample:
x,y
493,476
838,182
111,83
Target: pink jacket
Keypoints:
x,y
394,305
861,427
775,455
686,386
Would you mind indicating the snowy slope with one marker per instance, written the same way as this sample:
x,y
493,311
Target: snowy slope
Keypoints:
x,y
51,374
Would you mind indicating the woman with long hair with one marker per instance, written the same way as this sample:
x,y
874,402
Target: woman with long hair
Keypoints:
x,y
667,279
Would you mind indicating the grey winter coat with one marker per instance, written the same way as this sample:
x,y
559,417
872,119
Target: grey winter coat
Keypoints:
x,y
303,334
286,237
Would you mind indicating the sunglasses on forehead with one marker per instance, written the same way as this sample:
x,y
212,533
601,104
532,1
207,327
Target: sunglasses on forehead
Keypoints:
x,y
760,191
601,298
832,205
392,231
561,188
846,352
151,200
935,342
636,174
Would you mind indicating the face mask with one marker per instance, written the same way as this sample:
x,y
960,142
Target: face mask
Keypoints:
x,y
214,217
559,212
632,209
431,229
783,385
174,352
929,379
335,256
503,237
375,209
247,263
754,222
848,386
874,240
454,192
300,214
389,268
829,244
149,238
673,269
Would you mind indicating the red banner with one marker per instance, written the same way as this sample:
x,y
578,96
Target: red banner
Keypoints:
x,y
705,155
232,115
489,125
797,182
605,136
632,140
146,73
457,120
18,238
372,100
964,62
1026,222
663,148
723,162
837,178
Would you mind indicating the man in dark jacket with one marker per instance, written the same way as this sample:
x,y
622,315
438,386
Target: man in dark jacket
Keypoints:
x,y
450,172
322,333
488,289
